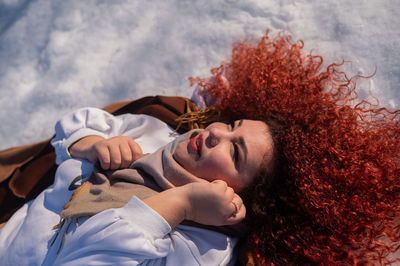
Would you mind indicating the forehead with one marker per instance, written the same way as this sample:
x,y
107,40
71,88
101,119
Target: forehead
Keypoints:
x,y
260,144
257,125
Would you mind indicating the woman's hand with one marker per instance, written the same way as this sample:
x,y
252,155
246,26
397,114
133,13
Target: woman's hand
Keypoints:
x,y
113,153
214,204
207,203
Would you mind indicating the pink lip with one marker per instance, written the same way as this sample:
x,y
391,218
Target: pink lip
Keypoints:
x,y
196,144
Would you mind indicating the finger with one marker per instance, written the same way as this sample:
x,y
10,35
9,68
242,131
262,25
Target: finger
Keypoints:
x,y
221,187
115,156
221,183
126,155
237,199
229,193
136,150
103,156
237,203
238,217
237,208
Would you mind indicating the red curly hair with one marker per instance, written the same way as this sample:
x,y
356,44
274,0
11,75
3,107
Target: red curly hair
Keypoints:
x,y
335,198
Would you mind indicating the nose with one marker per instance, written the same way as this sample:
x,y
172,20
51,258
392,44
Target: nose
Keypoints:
x,y
217,135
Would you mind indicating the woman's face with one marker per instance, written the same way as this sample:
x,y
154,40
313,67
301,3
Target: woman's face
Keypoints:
x,y
230,152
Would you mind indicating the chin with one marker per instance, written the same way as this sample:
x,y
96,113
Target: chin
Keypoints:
x,y
177,159
180,152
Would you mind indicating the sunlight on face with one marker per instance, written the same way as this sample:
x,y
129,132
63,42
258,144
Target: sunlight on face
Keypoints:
x,y
233,153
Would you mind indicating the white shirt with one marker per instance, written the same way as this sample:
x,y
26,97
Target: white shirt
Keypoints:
x,y
131,235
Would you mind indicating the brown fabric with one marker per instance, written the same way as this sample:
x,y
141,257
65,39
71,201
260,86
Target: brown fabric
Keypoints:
x,y
105,190
114,188
27,170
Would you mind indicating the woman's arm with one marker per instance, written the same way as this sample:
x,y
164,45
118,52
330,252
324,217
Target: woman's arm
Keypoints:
x,y
206,203
136,233
120,236
148,132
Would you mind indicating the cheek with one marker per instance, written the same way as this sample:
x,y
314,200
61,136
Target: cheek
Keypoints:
x,y
181,155
216,164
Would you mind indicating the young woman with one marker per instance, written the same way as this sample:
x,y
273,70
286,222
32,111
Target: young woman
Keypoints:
x,y
210,165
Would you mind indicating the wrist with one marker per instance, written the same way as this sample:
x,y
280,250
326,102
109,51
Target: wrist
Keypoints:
x,y
184,201
172,204
187,201
82,147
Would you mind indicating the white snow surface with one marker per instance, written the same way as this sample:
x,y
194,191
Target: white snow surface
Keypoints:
x,y
57,56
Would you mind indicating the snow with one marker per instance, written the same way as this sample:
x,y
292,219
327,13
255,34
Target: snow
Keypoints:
x,y
57,56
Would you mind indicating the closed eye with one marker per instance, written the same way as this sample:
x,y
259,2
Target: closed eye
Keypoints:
x,y
235,153
232,124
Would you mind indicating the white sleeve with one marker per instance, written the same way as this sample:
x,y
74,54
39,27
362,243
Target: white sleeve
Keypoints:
x,y
122,236
136,234
94,121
